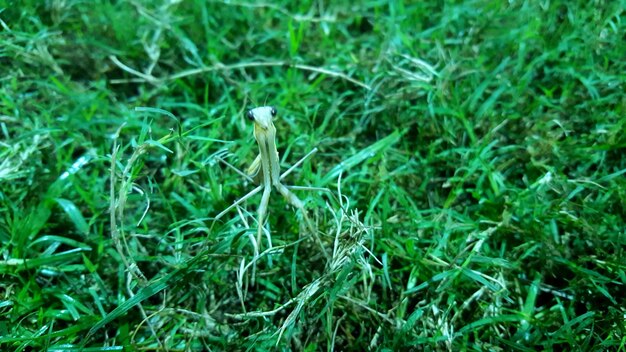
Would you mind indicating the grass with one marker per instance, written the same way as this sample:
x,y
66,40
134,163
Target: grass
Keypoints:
x,y
476,147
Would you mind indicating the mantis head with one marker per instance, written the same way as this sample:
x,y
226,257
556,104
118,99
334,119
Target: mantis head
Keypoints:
x,y
262,116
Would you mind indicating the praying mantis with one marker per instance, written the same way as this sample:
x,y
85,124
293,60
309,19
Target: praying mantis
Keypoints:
x,y
265,169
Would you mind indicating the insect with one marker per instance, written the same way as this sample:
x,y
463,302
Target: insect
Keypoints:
x,y
265,170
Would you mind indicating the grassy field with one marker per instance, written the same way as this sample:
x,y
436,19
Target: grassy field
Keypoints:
x,y
474,152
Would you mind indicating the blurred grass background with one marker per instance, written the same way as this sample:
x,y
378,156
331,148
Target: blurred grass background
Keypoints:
x,y
480,146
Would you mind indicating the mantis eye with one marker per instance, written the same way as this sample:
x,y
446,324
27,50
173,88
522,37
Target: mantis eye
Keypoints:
x,y
250,115
274,112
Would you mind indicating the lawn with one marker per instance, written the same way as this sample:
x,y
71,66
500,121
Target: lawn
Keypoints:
x,y
471,152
